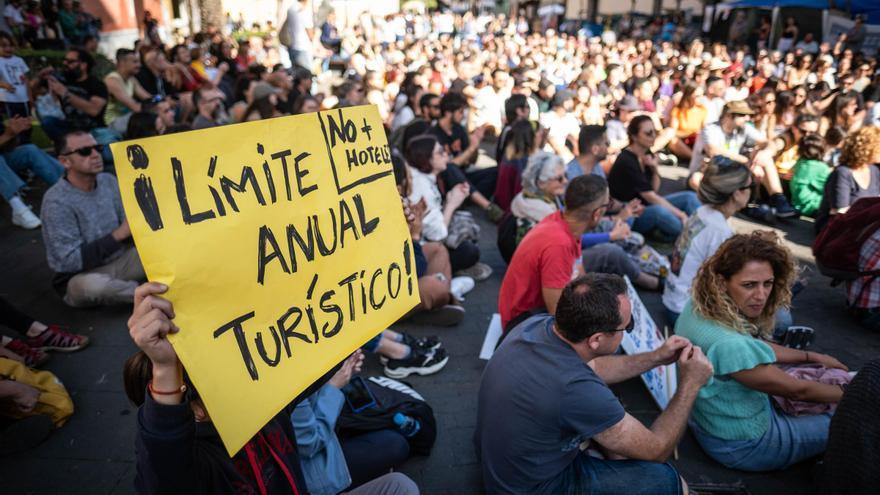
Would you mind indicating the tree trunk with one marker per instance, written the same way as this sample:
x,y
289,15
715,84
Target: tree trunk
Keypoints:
x,y
211,13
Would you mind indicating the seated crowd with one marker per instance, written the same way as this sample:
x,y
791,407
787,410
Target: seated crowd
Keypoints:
x,y
579,128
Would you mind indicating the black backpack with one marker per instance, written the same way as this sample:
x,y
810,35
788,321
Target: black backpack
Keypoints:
x,y
391,397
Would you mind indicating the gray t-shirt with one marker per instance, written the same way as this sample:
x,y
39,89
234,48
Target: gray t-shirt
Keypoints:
x,y
538,402
77,225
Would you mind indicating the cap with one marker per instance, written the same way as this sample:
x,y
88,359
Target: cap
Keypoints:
x,y
629,103
739,107
264,89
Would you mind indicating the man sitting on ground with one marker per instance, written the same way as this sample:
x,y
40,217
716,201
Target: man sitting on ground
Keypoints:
x,y
550,254
85,230
544,393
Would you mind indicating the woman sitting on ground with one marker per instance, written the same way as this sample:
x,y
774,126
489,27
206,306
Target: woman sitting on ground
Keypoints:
x,y
855,178
736,294
687,119
810,175
634,175
724,191
520,145
426,160
543,189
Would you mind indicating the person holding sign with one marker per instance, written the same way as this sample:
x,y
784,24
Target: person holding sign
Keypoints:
x,y
545,392
737,292
87,237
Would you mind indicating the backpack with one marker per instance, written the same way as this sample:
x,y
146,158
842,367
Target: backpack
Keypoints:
x,y
391,397
838,246
54,400
284,33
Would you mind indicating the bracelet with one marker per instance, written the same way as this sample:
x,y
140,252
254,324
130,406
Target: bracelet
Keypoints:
x,y
153,391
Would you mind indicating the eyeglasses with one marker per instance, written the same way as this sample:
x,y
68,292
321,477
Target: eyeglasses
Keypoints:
x,y
85,150
652,132
629,327
558,178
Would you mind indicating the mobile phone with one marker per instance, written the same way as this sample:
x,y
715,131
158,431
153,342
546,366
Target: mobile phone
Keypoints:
x,y
358,395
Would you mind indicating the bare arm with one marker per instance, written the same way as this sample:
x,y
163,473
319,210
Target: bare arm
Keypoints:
x,y
713,150
772,380
631,439
115,88
551,298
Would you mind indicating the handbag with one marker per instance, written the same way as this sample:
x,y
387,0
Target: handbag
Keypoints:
x,y
54,400
462,228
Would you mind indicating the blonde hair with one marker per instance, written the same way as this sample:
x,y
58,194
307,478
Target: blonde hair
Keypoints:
x,y
861,147
710,298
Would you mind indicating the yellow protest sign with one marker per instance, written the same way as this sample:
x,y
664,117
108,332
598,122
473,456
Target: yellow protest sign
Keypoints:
x,y
285,248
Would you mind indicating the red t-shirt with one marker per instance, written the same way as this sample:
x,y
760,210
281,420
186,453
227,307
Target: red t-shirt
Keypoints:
x,y
547,257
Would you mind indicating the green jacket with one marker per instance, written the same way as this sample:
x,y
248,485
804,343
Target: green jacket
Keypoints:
x,y
808,184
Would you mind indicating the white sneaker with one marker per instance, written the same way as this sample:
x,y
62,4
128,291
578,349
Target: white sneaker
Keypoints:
x,y
25,218
459,286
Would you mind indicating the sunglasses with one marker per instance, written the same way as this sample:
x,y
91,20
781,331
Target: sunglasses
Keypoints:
x,y
746,187
85,150
559,178
628,329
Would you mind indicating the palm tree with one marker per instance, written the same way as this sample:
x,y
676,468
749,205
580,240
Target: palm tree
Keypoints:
x,y
211,13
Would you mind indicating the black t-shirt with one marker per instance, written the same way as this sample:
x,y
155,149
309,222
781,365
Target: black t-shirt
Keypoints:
x,y
455,143
627,180
153,84
86,89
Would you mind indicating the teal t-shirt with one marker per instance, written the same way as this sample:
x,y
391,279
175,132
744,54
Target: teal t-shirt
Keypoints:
x,y
724,407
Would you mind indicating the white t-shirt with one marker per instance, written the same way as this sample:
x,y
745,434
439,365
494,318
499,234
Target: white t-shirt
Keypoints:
x,y
704,231
13,70
11,12
425,186
715,135
559,128
489,108
299,19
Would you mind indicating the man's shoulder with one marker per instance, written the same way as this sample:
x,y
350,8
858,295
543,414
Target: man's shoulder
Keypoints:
x,y
108,179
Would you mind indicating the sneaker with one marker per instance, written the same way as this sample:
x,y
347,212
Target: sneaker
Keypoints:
x,y
428,343
419,362
761,213
55,338
783,207
446,316
478,272
459,286
668,159
32,357
25,218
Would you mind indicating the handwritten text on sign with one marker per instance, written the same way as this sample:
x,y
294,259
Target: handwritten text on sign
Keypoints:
x,y
285,247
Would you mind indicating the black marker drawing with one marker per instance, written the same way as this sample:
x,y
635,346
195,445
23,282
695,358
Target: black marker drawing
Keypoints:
x,y
143,187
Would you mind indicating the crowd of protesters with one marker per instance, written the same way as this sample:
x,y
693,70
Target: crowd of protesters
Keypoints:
x,y
558,138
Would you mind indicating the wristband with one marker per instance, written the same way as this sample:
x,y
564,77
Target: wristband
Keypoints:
x,y
153,391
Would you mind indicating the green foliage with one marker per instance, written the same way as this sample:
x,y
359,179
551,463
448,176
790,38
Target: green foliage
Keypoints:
x,y
40,59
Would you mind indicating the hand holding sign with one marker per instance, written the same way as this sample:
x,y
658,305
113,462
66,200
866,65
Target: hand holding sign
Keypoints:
x,y
285,248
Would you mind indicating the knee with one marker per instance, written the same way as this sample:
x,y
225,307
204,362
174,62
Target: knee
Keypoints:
x,y
85,290
400,484
433,292
396,448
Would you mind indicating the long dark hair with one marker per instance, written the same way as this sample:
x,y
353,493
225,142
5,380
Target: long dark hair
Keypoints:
x,y
520,140
262,106
419,152
141,125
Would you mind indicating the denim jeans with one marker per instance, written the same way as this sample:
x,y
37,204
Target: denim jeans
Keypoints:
x,y
656,220
788,440
600,477
300,58
26,156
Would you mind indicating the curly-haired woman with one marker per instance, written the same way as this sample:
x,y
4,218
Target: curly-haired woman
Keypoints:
x,y
857,177
735,297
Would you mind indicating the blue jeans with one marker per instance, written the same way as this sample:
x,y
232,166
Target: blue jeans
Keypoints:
x,y
301,58
660,222
26,156
596,476
788,440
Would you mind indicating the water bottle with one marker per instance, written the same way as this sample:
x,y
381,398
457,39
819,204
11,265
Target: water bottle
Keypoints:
x,y
407,425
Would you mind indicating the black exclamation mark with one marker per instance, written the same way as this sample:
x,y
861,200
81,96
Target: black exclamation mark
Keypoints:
x,y
143,187
407,265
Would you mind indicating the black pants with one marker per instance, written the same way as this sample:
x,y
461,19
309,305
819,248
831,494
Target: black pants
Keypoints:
x,y
481,180
13,318
466,255
373,454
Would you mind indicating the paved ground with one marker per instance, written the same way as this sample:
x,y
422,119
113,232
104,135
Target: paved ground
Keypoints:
x,y
94,452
